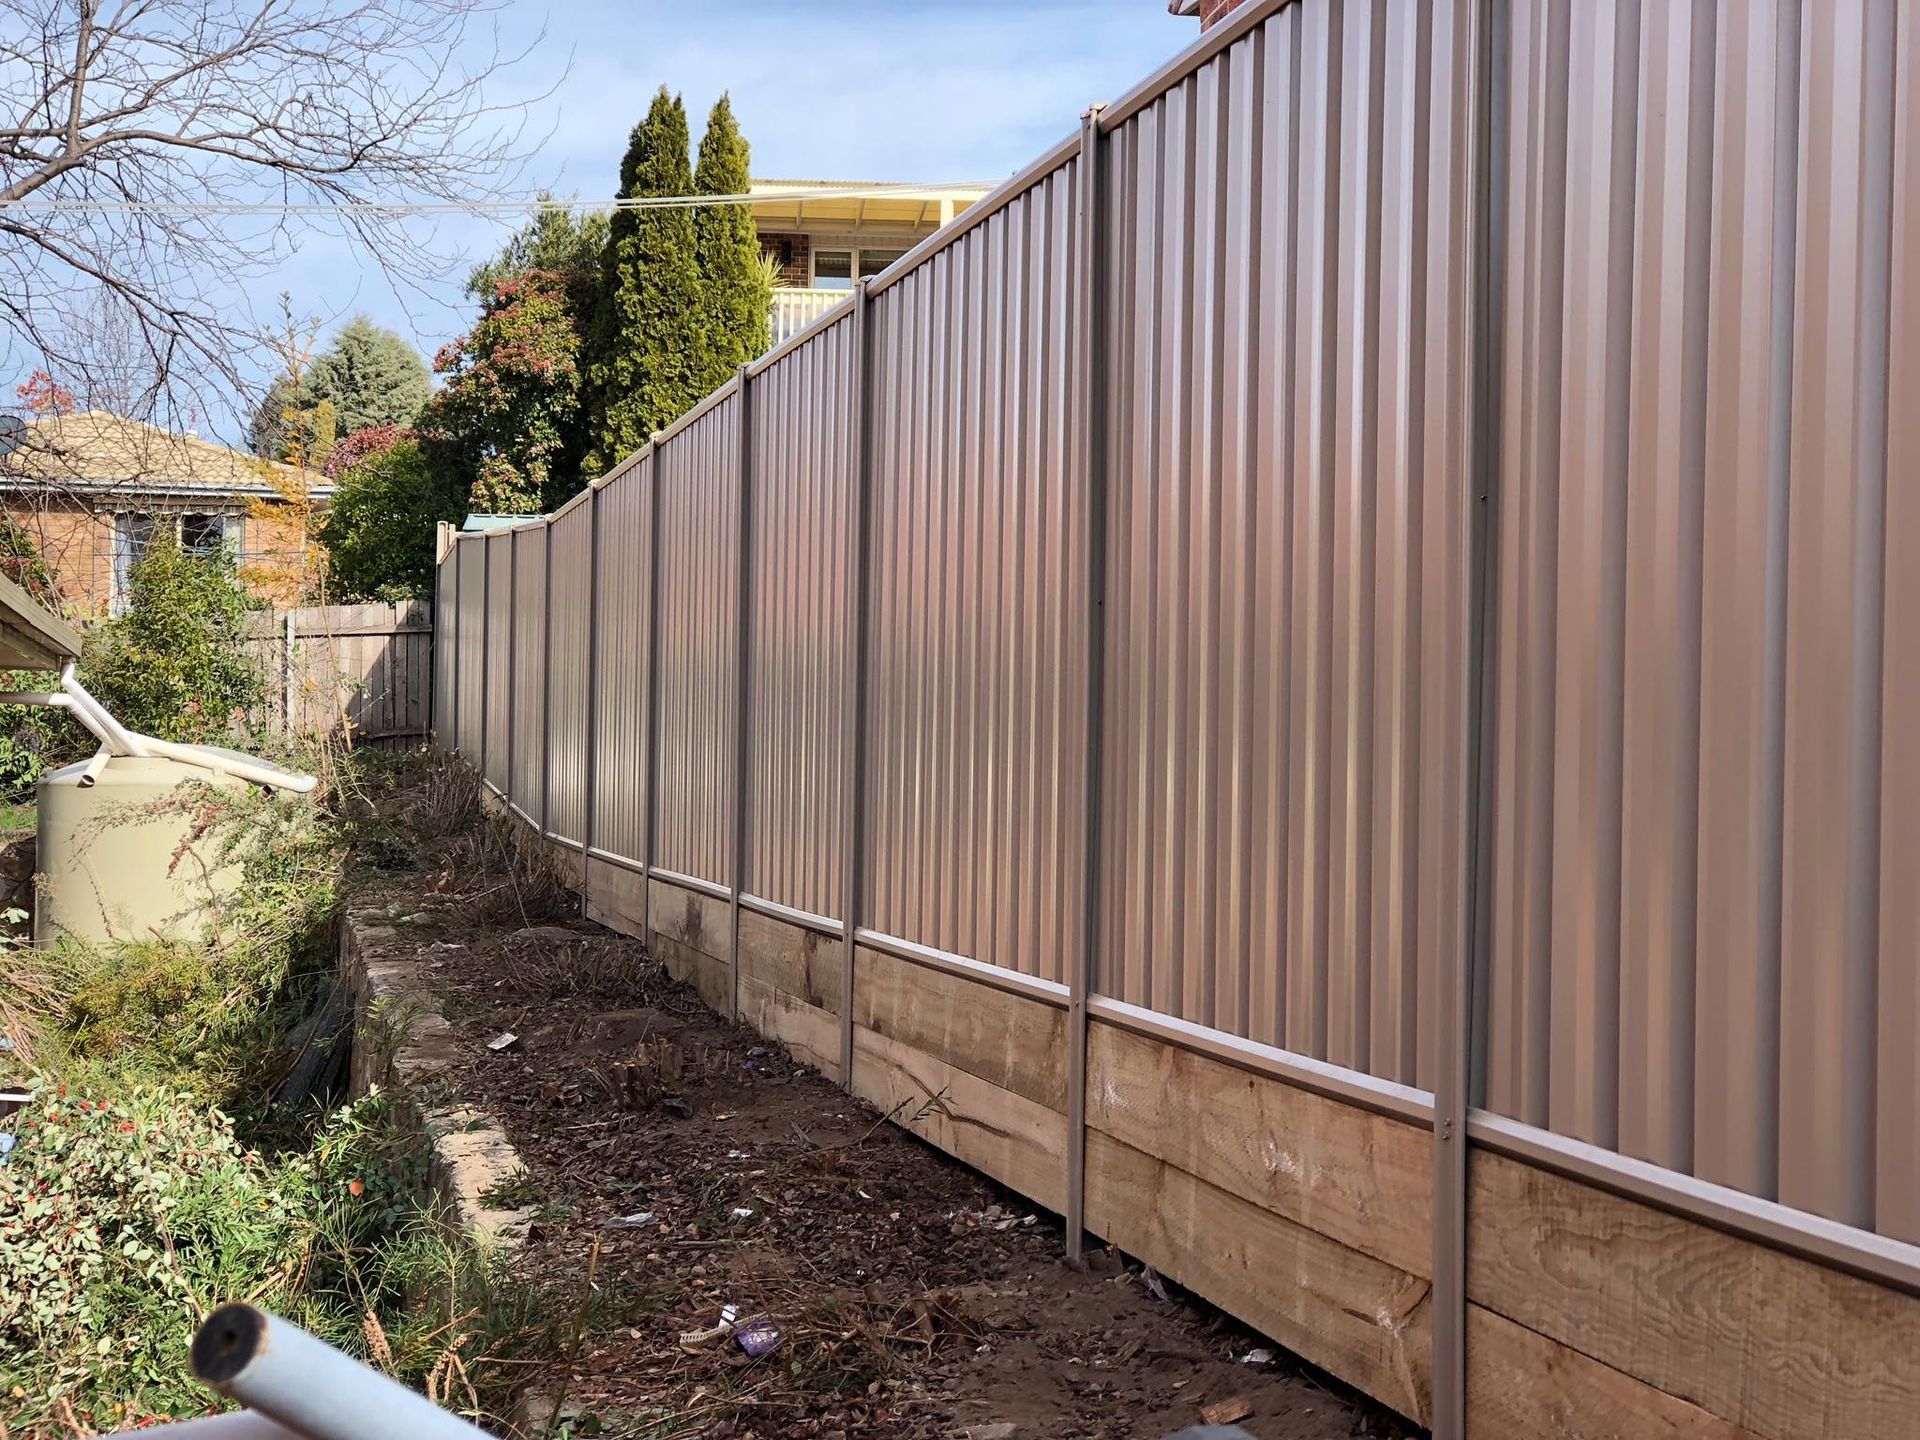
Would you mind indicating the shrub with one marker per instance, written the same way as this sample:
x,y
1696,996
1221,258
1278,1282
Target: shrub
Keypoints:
x,y
124,1219
119,1220
33,739
379,528
177,665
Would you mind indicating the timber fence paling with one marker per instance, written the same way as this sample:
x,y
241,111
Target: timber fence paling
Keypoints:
x,y
1274,649
368,669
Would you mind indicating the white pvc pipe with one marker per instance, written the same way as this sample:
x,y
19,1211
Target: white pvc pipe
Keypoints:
x,y
310,1387
238,766
238,1425
122,741
116,739
90,772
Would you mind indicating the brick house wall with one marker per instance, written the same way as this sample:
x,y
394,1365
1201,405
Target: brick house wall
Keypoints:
x,y
76,543
794,252
1212,12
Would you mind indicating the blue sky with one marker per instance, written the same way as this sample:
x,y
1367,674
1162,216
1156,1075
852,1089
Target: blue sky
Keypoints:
x,y
925,90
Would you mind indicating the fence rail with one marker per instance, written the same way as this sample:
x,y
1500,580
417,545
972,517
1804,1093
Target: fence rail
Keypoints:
x,y
1328,667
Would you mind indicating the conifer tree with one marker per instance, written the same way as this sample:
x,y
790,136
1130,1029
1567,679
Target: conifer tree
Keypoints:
x,y
736,292
645,362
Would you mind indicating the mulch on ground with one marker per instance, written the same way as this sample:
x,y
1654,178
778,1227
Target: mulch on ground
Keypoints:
x,y
707,1179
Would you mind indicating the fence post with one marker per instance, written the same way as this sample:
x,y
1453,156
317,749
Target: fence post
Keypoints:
x,y
513,666
1461,1038
742,677
486,640
1089,330
591,767
856,661
653,683
286,674
546,680
451,641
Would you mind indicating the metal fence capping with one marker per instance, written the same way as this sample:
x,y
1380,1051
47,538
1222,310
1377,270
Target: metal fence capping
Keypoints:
x,y
1334,666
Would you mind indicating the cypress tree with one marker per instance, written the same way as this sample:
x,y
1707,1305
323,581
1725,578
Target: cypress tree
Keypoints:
x,y
372,376
736,290
644,365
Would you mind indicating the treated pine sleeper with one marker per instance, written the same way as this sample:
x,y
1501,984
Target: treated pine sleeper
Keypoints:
x,y
1018,1142
1010,1041
1350,1314
804,963
1776,1346
697,920
811,1035
1523,1386
1357,1177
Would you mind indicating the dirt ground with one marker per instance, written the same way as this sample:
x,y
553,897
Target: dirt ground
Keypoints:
x,y
694,1166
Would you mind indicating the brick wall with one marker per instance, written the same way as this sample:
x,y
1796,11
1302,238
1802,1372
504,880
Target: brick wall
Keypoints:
x,y
795,255
77,546
1212,12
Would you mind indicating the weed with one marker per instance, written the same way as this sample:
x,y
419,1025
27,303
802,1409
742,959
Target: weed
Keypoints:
x,y
388,1025
518,1191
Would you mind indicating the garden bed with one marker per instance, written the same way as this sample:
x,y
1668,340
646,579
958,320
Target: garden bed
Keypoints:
x,y
692,1167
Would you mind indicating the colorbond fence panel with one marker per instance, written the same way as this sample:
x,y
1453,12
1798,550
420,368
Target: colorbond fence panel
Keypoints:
x,y
469,688
797,740
1696,785
977,654
623,624
446,605
497,647
1288,538
529,652
1449,457
571,559
699,556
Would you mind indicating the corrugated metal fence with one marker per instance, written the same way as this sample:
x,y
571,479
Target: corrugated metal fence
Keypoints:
x,y
1368,350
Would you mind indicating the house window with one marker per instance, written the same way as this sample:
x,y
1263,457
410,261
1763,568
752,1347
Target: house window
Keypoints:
x,y
134,535
203,534
833,269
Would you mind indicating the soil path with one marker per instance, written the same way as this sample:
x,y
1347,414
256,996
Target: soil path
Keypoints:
x,y
911,1296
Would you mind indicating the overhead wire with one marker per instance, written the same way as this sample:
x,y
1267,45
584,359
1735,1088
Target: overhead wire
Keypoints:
x,y
878,191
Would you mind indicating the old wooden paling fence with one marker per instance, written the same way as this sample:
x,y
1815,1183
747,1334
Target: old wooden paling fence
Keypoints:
x,y
364,671
1336,670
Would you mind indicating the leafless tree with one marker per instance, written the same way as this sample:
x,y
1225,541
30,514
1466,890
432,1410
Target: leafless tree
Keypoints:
x,y
139,140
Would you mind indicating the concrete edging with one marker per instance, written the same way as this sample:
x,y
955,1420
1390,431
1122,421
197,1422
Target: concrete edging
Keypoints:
x,y
404,1044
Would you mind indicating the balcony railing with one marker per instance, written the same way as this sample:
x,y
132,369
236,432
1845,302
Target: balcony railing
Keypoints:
x,y
794,310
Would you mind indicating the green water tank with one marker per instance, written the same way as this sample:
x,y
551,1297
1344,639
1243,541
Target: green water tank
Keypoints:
x,y
122,856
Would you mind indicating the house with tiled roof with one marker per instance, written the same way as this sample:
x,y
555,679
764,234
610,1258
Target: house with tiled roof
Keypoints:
x,y
93,491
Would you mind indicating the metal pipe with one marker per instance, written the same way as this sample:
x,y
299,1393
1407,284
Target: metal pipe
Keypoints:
x,y
308,1386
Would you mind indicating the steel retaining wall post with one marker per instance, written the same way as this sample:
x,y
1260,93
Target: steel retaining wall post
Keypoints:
x,y
653,686
513,666
742,678
858,566
486,636
1460,1036
1089,330
546,681
590,767
452,641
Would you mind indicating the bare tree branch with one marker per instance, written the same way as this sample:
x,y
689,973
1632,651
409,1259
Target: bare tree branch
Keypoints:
x,y
124,124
